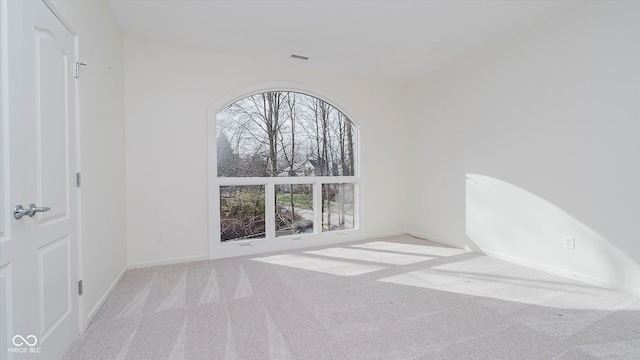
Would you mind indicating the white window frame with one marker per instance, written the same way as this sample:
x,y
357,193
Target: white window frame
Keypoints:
x,y
219,249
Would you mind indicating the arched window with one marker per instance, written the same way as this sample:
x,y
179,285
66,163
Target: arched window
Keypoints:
x,y
286,167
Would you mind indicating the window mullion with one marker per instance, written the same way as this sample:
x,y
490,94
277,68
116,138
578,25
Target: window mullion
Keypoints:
x,y
270,211
317,206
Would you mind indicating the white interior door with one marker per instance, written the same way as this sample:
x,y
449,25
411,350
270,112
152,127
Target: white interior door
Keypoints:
x,y
38,261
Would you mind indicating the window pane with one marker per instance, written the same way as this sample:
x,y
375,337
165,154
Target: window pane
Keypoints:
x,y
337,207
294,209
282,133
242,212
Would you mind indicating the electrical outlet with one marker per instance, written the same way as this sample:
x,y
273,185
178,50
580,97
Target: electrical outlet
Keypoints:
x,y
160,235
570,242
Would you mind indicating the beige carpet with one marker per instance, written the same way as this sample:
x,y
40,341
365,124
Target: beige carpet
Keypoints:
x,y
394,298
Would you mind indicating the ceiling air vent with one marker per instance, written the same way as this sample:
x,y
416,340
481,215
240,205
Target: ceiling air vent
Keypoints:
x,y
299,57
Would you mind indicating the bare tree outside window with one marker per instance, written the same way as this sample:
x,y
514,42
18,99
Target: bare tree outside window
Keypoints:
x,y
338,212
242,212
287,134
294,209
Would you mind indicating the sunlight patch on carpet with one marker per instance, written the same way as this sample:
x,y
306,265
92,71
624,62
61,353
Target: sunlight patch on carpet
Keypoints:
x,y
321,265
411,248
372,256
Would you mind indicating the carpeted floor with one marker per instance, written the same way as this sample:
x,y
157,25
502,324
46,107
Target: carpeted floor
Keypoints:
x,y
394,298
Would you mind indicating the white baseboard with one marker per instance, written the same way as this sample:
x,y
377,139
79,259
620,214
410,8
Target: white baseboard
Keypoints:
x,y
562,272
146,264
104,297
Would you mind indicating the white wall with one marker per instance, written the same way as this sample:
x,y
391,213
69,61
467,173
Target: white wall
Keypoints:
x,y
102,148
169,89
545,123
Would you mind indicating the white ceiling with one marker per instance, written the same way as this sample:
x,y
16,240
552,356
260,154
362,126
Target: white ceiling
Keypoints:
x,y
392,40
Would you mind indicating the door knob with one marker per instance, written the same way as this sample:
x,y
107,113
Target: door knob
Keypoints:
x,y
30,210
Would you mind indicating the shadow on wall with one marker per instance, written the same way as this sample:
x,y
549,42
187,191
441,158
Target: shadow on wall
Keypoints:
x,y
507,221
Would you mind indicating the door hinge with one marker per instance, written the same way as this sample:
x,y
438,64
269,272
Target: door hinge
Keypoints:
x,y
76,69
80,288
78,179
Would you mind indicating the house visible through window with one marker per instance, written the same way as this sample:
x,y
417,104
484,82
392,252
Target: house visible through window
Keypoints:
x,y
286,166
